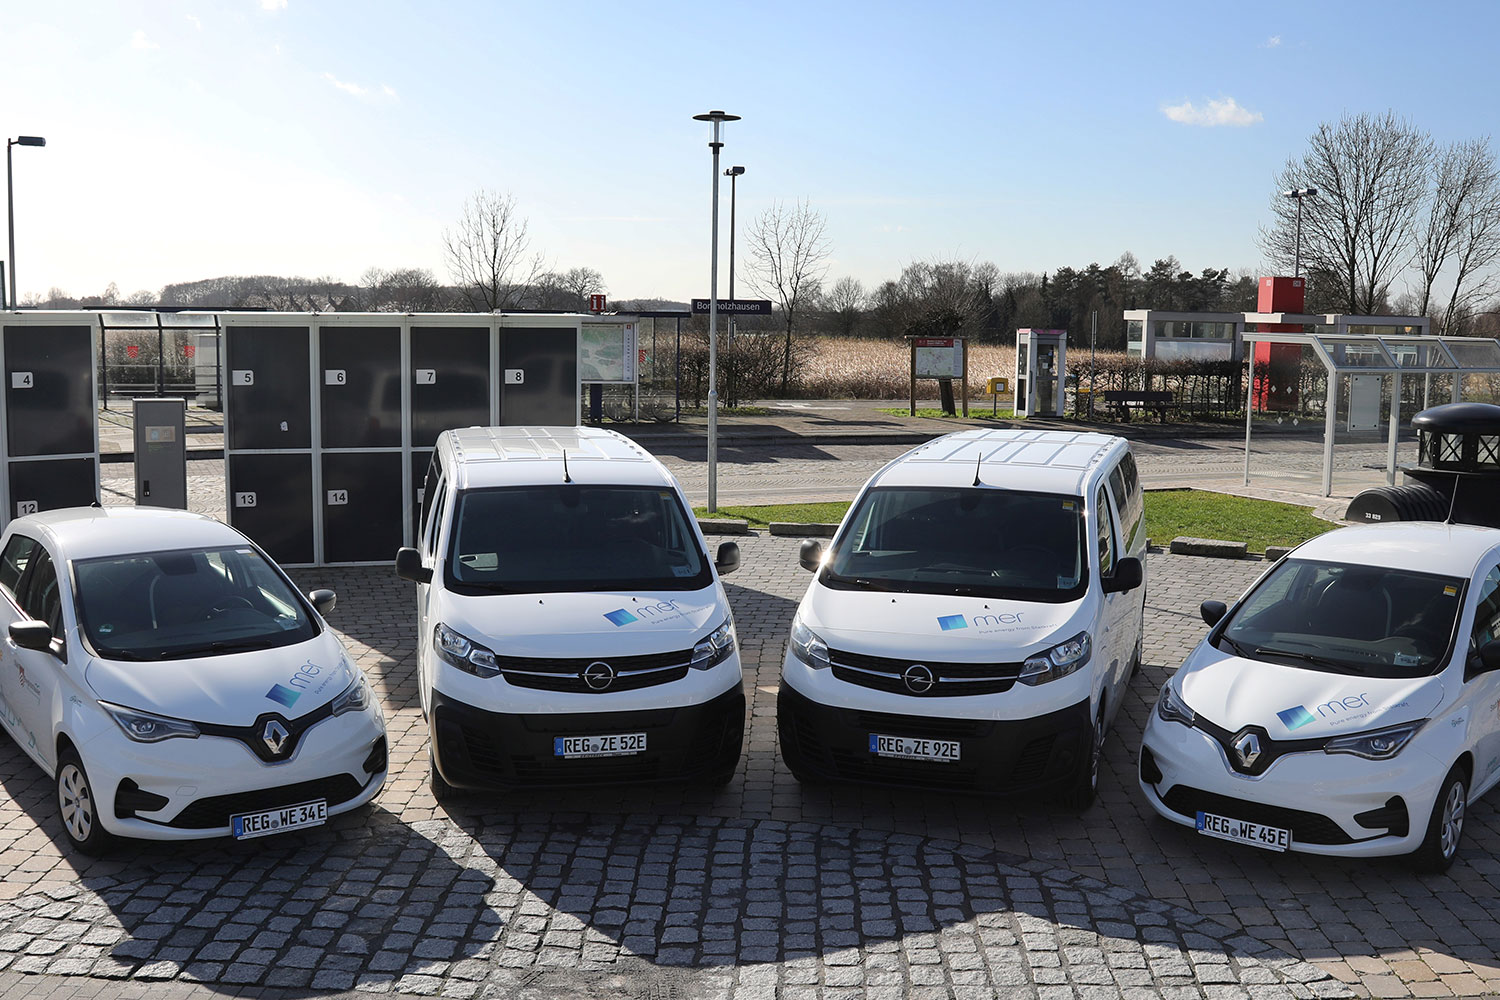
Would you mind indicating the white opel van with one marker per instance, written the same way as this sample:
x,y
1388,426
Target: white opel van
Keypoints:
x,y
572,629
975,621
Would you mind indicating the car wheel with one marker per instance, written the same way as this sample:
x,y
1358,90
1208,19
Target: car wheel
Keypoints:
x,y
441,790
1138,659
1081,789
78,807
728,766
1445,828
791,756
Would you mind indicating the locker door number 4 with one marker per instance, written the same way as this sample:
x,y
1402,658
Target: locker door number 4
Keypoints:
x,y
338,498
21,380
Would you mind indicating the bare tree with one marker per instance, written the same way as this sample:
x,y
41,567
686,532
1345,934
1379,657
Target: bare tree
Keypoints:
x,y
788,254
488,253
404,290
1371,174
1461,223
846,304
1476,246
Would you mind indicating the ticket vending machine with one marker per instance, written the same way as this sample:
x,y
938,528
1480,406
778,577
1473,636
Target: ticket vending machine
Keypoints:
x,y
1040,364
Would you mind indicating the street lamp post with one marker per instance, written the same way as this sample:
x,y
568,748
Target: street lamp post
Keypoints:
x,y
733,173
716,119
1299,194
10,203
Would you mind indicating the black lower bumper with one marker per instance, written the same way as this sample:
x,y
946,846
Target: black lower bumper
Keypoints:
x,y
493,750
1009,757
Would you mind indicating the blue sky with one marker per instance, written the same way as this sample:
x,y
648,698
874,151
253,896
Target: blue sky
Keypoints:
x,y
192,138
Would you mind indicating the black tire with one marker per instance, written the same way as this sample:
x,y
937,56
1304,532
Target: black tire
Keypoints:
x,y
78,807
1079,792
791,756
1138,659
1445,827
441,790
728,766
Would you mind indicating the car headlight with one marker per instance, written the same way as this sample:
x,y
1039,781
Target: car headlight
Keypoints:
x,y
715,648
458,650
807,646
1059,661
1171,708
143,727
354,698
1378,744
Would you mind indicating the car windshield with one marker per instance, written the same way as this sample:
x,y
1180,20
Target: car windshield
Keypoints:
x,y
573,538
187,602
980,542
1364,620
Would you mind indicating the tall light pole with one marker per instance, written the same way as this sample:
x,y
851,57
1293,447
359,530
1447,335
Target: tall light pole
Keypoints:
x,y
10,203
716,119
1299,194
733,173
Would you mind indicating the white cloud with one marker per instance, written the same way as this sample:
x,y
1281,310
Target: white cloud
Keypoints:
x,y
1272,42
1222,112
353,89
193,20
273,4
140,41
387,90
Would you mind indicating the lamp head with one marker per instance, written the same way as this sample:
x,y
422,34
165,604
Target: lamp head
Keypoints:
x,y
734,171
1300,193
29,140
716,116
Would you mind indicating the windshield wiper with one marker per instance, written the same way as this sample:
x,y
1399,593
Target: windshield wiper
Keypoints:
x,y
217,646
863,582
1238,648
1319,661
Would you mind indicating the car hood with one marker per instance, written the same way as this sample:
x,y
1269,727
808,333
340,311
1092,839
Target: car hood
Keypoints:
x,y
607,623
934,626
1297,702
233,689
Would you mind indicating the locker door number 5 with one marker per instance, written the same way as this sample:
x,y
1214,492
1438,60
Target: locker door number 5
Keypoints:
x,y
338,498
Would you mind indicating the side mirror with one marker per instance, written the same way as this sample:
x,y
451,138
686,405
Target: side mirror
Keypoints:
x,y
1213,612
1127,576
323,601
409,566
32,634
728,559
810,556
1487,658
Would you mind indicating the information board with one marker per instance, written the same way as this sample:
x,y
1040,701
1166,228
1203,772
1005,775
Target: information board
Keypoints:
x,y
607,353
938,357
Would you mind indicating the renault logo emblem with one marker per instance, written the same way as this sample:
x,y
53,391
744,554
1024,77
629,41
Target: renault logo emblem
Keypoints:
x,y
918,678
1247,749
598,675
275,736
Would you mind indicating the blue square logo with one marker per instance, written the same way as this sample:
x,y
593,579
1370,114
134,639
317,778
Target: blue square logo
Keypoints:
x,y
620,617
283,695
951,622
1296,717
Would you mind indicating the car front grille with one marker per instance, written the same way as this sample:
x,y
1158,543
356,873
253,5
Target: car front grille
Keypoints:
x,y
214,812
1306,827
631,673
949,680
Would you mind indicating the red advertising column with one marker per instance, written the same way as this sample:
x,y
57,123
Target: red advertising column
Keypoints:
x,y
1275,365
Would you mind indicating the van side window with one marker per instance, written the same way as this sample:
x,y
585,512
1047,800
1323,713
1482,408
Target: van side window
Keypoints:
x,y
1130,503
437,501
38,596
13,562
429,494
1106,534
1487,614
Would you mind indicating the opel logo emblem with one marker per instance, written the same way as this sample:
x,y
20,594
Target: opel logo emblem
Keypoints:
x,y
919,679
1247,749
598,675
275,736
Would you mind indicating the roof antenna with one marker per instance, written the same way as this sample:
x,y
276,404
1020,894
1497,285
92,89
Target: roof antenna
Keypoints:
x,y
977,460
1453,500
566,478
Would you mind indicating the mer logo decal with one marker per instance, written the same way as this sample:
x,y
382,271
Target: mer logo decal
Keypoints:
x,y
658,611
620,617
284,695
950,622
1298,716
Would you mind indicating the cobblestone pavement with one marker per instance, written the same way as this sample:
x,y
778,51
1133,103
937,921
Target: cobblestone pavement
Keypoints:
x,y
765,888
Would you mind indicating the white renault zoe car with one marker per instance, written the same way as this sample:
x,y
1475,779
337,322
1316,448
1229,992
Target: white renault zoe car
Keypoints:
x,y
1346,704
175,683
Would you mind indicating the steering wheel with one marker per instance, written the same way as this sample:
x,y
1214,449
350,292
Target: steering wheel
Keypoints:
x,y
231,602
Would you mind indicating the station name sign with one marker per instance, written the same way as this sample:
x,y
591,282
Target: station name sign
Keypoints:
x,y
735,307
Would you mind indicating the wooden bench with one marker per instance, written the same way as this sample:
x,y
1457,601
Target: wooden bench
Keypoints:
x,y
1121,401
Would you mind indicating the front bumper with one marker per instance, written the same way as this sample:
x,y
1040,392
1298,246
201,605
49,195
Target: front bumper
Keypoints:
x,y
1320,797
997,757
477,749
